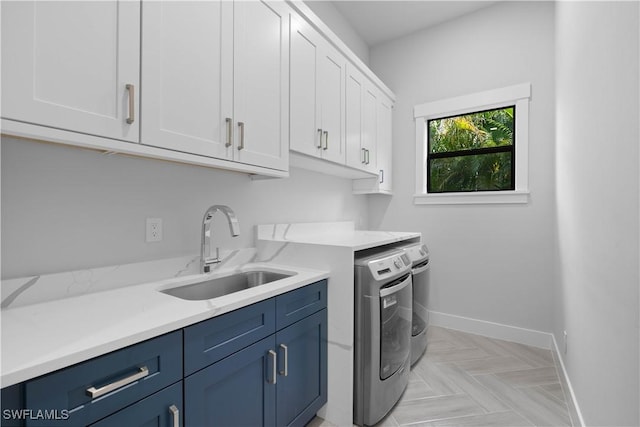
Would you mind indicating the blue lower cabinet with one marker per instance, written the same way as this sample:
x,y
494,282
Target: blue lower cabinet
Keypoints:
x,y
280,380
260,365
302,370
236,391
12,402
162,409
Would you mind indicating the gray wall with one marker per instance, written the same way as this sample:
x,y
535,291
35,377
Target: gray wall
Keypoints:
x,y
67,208
597,186
331,16
490,262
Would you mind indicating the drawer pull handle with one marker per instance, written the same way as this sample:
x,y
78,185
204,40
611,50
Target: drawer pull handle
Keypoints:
x,y
285,371
326,140
241,126
229,132
274,366
319,138
97,392
175,413
132,103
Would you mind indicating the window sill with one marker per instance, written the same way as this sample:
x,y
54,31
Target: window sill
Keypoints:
x,y
479,198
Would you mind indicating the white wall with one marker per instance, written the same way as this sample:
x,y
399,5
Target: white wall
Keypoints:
x,y
331,16
597,197
66,208
490,262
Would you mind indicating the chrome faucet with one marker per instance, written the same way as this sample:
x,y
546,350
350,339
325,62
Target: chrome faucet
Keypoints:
x,y
205,255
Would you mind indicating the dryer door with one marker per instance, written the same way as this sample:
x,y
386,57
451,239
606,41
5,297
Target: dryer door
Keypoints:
x,y
395,325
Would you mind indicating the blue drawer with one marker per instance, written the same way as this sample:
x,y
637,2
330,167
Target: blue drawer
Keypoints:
x,y
298,304
214,339
158,410
66,394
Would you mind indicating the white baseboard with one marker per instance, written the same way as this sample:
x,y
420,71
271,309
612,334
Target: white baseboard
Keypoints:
x,y
500,331
572,396
492,330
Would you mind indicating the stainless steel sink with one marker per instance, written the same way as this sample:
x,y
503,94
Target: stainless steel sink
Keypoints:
x,y
226,285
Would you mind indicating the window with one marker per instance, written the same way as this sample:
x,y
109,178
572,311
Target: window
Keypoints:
x,y
472,152
474,148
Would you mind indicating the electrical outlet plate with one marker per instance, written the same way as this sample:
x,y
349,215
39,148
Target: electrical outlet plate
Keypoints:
x,y
154,230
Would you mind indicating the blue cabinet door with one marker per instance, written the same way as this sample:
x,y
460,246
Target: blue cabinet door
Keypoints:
x,y
236,391
162,409
302,370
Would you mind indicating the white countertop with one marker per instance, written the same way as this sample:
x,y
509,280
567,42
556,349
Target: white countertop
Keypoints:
x,y
340,234
42,337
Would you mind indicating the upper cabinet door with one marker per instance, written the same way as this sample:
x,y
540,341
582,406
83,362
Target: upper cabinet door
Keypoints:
x,y
261,83
384,148
72,65
331,84
370,126
187,66
356,155
317,95
305,127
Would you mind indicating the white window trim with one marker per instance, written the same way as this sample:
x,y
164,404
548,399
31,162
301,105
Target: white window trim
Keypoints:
x,y
497,98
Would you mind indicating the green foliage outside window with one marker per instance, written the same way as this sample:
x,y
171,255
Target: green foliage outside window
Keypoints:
x,y
472,152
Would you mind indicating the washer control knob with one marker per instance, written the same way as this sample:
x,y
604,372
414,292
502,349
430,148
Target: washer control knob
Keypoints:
x,y
397,263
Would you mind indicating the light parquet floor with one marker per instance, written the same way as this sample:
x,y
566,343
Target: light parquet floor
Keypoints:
x,y
469,380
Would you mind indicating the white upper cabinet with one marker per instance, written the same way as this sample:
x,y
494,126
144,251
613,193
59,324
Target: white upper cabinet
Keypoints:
x,y
317,95
361,121
261,83
187,70
354,88
382,184
370,126
216,79
332,75
231,84
72,65
305,133
385,145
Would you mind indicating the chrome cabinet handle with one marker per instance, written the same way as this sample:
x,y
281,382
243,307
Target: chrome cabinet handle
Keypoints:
x,y
241,126
131,90
229,132
319,138
274,366
366,152
364,155
381,176
97,392
285,372
176,415
326,140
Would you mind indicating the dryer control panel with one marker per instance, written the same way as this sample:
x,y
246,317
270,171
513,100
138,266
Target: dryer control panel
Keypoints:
x,y
417,253
390,266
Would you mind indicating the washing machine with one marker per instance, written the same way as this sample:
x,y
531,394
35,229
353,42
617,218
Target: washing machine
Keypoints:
x,y
418,254
382,335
